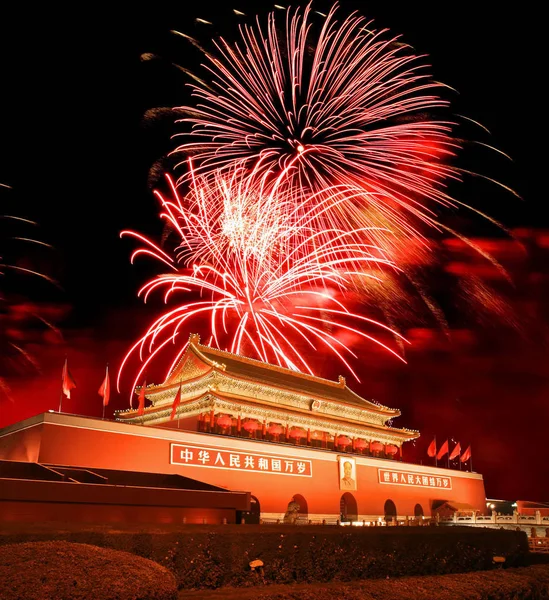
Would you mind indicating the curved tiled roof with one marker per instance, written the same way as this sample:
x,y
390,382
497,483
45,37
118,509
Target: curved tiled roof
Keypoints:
x,y
255,370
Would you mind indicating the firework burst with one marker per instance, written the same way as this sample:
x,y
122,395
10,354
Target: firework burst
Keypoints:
x,y
344,105
268,282
317,166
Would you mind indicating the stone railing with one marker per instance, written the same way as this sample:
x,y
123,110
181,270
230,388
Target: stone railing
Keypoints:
x,y
494,518
540,545
371,521
457,518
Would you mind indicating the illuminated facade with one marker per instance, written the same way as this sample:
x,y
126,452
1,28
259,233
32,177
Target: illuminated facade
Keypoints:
x,y
294,442
284,435
231,395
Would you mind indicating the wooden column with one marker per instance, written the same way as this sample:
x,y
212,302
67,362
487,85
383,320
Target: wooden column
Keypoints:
x,y
212,420
238,424
308,436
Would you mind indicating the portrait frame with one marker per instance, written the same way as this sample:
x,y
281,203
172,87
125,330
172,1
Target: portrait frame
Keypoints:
x,y
347,476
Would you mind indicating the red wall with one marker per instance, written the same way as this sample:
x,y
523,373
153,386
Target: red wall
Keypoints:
x,y
37,501
38,512
23,445
525,508
86,442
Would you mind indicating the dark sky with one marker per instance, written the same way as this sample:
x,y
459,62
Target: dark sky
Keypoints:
x,y
77,155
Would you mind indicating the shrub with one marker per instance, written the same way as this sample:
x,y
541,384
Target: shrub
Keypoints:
x,y
530,583
212,557
61,570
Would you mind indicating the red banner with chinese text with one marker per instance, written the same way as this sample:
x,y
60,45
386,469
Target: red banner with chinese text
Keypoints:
x,y
204,456
415,479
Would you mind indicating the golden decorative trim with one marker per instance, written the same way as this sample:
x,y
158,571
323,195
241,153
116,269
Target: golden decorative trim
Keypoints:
x,y
211,402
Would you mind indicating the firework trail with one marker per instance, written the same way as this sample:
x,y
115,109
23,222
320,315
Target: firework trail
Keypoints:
x,y
343,105
21,320
269,282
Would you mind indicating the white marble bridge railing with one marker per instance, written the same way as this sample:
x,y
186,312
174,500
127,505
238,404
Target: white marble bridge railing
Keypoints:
x,y
494,518
361,520
380,520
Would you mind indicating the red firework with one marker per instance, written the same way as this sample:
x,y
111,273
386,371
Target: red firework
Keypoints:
x,y
344,105
24,324
268,280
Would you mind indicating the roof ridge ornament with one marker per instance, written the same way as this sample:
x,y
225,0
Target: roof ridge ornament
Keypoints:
x,y
194,338
342,381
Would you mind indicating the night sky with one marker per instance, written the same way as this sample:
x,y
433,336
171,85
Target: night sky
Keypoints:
x,y
77,155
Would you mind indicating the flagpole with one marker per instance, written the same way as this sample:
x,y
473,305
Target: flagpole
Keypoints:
x,y
61,395
178,415
105,391
436,452
471,459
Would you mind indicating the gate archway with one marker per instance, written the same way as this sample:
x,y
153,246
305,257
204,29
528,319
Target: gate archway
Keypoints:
x,y
390,511
297,509
252,516
348,509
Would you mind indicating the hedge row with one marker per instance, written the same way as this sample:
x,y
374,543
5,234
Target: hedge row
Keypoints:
x,y
530,583
216,557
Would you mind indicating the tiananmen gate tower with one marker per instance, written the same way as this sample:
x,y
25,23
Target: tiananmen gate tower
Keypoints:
x,y
291,441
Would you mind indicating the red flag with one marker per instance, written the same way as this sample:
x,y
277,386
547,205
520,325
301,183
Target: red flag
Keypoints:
x,y
466,455
105,389
455,451
176,403
443,450
67,382
141,408
432,449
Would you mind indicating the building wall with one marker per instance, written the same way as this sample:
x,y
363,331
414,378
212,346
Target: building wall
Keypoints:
x,y
66,440
530,508
23,444
24,500
38,512
189,424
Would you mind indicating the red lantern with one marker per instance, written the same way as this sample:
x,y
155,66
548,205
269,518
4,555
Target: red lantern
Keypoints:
x,y
391,450
360,443
297,432
376,446
224,421
275,429
250,426
343,440
317,435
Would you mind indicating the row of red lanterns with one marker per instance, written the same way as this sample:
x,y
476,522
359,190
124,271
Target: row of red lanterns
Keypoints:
x,y
224,421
